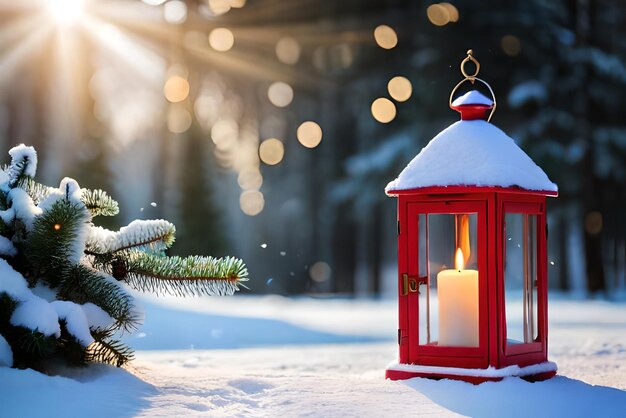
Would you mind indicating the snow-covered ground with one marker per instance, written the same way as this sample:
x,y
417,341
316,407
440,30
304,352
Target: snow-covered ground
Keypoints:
x,y
273,356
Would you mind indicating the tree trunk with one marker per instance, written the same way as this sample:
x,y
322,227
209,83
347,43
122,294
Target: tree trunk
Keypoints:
x,y
591,185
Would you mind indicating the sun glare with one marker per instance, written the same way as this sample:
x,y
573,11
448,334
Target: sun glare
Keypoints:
x,y
118,47
66,12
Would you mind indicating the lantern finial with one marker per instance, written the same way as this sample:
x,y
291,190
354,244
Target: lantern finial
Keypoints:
x,y
472,78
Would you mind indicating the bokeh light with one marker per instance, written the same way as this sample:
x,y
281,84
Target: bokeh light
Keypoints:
x,y
309,134
175,12
453,12
237,4
250,179
288,50
280,94
320,272
593,222
400,88
221,39
438,14
251,202
176,89
219,7
385,37
224,134
178,120
271,151
511,45
383,110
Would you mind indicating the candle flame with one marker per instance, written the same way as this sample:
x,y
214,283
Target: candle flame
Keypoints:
x,y
459,261
463,236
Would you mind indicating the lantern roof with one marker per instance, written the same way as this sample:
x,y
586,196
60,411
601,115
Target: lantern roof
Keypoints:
x,y
472,153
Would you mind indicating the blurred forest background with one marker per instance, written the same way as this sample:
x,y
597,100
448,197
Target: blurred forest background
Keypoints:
x,y
209,113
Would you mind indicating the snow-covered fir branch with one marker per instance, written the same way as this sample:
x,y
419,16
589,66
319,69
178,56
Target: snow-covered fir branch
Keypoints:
x,y
23,163
63,280
99,203
146,235
183,276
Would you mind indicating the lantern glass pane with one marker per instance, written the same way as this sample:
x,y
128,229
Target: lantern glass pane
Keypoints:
x,y
427,334
422,233
520,278
449,301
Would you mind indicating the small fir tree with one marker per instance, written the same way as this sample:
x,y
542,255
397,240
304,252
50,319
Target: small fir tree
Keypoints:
x,y
62,278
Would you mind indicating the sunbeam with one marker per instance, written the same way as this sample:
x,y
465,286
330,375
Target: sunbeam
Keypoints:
x,y
128,48
103,74
66,12
18,55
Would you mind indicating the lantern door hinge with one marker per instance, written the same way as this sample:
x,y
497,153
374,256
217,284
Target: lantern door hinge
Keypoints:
x,y
410,284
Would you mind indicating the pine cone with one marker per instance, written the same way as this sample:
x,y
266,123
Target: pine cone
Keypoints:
x,y
119,269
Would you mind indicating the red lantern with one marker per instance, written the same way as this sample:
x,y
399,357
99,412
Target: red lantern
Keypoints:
x,y
472,254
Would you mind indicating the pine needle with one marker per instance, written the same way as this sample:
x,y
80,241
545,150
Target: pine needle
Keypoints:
x,y
35,190
82,285
15,171
183,276
99,203
54,240
105,350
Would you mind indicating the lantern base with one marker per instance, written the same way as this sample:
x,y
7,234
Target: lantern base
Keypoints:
x,y
532,373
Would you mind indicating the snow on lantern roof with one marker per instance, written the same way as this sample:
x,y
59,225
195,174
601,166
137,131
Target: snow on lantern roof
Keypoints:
x,y
472,97
472,153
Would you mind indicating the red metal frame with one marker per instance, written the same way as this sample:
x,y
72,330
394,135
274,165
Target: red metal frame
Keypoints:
x,y
536,352
448,356
490,203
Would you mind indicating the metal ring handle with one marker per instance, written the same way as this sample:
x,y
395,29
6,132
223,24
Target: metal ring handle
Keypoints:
x,y
470,58
471,80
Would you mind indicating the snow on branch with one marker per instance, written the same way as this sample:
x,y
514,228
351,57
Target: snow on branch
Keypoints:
x,y
38,315
7,247
35,190
23,207
23,163
97,318
145,235
6,354
75,320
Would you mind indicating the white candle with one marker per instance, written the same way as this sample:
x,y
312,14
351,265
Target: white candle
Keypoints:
x,y
458,306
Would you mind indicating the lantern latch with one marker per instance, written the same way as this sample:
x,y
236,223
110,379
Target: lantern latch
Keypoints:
x,y
410,284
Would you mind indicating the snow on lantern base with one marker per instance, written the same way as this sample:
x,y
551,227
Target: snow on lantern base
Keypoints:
x,y
472,191
532,373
